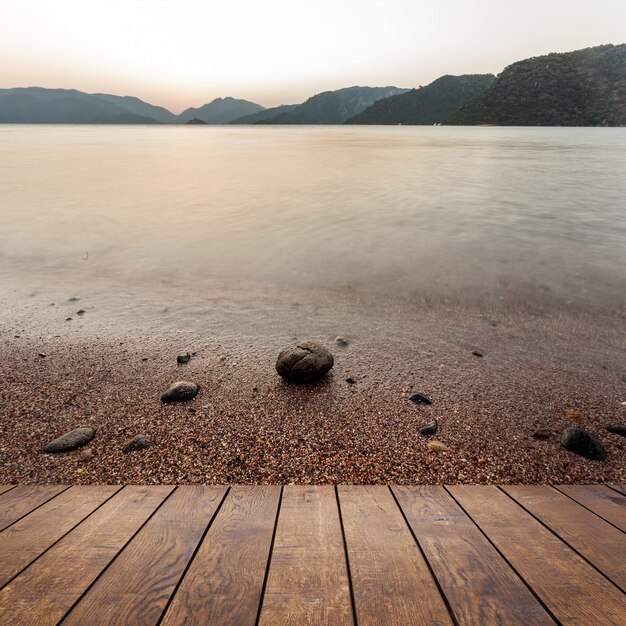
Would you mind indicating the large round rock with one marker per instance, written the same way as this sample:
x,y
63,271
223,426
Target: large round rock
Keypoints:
x,y
180,391
304,362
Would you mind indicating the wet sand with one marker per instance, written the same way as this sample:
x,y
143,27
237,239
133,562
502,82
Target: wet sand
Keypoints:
x,y
248,426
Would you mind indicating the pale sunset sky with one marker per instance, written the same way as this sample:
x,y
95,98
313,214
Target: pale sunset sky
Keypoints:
x,y
185,53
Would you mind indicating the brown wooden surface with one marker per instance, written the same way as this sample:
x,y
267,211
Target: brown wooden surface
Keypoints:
x,y
151,555
600,499
225,580
391,581
21,500
48,588
463,559
620,488
22,542
308,577
569,587
4,488
139,583
600,543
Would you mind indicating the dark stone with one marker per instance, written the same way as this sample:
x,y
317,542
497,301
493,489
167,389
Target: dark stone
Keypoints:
x,y
81,312
180,391
351,381
542,433
476,353
138,442
429,429
181,359
70,441
581,442
418,398
196,120
74,299
341,342
304,362
617,429
42,355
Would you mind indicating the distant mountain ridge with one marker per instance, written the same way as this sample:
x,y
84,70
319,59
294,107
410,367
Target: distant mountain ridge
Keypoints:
x,y
221,111
427,105
334,107
581,88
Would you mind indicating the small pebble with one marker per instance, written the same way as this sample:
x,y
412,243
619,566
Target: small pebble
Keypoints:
x,y
617,429
542,433
42,355
437,446
341,342
573,414
86,454
81,312
476,353
418,398
180,391
138,442
351,381
181,359
429,429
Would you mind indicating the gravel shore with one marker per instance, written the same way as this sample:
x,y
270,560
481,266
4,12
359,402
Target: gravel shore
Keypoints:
x,y
249,426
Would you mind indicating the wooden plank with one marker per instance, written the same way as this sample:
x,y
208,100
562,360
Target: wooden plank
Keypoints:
x,y
599,542
308,576
569,587
138,584
26,539
601,500
4,488
391,581
620,488
21,500
225,579
479,584
44,592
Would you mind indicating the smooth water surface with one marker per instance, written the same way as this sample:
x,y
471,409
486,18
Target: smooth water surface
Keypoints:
x,y
499,215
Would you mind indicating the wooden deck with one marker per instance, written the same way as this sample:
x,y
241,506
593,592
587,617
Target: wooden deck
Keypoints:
x,y
271,555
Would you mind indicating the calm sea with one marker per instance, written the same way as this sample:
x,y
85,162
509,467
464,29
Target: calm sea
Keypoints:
x,y
498,216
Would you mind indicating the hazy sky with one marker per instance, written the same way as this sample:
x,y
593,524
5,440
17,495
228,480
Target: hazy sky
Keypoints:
x,y
186,53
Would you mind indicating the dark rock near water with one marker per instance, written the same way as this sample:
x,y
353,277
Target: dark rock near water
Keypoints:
x,y
138,442
304,362
617,429
419,398
542,433
341,342
70,441
581,442
429,429
180,391
183,358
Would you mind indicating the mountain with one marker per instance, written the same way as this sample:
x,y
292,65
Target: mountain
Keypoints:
x,y
139,107
262,117
221,111
426,105
581,88
334,107
36,105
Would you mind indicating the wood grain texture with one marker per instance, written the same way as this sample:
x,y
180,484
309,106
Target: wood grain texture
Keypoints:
x,y
44,592
480,586
599,542
572,589
224,582
139,583
600,499
308,577
620,488
4,488
391,581
21,500
24,541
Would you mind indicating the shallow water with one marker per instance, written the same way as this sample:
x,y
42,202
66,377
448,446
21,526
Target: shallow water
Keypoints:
x,y
483,216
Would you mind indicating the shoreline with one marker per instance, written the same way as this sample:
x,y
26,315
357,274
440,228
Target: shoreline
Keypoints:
x,y
248,426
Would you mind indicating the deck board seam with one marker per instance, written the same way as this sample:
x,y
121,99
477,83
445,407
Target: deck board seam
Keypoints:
x,y
37,507
587,508
106,567
613,487
430,568
509,564
269,557
553,532
355,619
54,543
205,532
